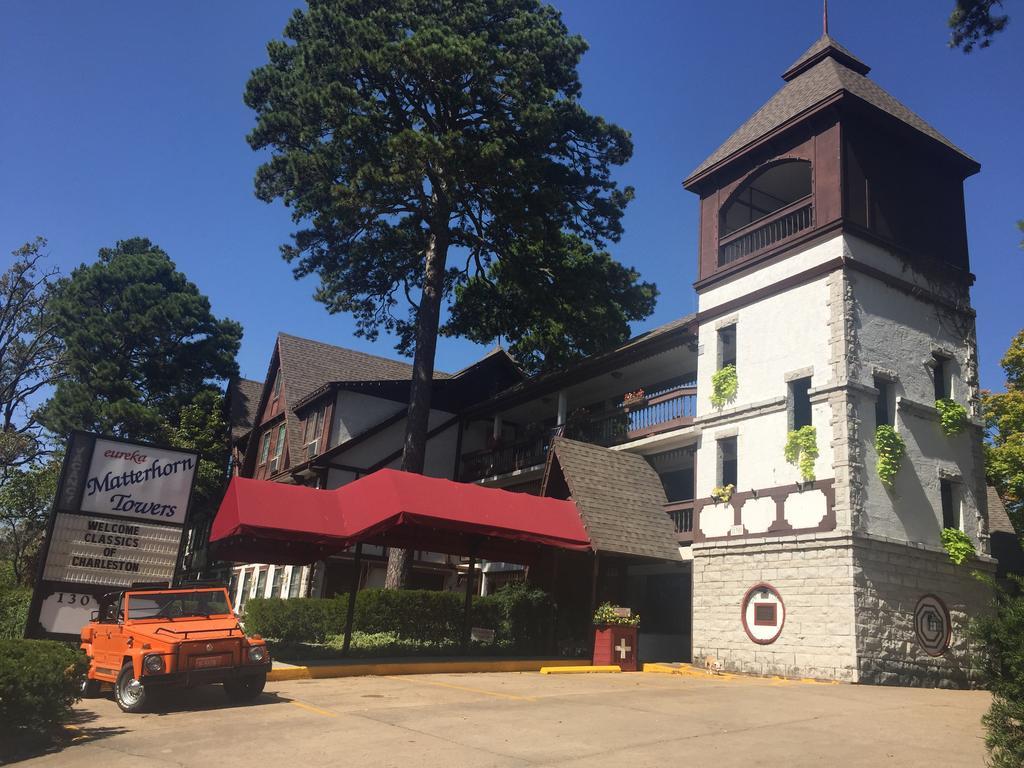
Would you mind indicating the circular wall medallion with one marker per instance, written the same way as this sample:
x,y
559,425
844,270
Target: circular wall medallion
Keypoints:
x,y
932,625
763,614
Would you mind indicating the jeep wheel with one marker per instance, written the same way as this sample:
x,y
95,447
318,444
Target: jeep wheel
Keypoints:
x,y
245,688
88,688
129,693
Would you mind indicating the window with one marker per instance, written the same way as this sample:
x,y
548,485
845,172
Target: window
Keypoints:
x,y
243,596
261,583
275,463
277,384
765,615
764,193
275,585
950,513
295,581
313,432
940,373
884,404
800,403
728,470
726,346
265,448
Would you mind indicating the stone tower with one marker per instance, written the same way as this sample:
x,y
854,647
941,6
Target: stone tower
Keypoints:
x,y
834,278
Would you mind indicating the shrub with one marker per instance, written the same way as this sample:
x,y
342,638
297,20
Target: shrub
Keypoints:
x,y
39,681
952,416
890,449
724,385
526,617
1001,636
413,614
957,545
802,450
304,619
14,612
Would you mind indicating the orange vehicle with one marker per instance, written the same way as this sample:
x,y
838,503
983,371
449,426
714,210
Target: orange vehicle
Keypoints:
x,y
148,638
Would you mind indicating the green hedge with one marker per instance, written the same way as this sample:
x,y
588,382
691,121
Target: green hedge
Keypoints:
x,y
13,612
522,617
39,681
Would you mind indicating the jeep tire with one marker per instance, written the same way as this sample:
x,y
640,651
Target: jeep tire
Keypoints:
x,y
129,693
245,688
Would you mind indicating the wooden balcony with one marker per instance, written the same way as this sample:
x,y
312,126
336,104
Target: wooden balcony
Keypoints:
x,y
681,513
651,415
766,232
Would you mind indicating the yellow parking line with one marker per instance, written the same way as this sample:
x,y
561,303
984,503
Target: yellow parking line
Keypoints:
x,y
311,708
496,694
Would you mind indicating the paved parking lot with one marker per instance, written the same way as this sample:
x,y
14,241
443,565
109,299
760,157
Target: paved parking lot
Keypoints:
x,y
526,719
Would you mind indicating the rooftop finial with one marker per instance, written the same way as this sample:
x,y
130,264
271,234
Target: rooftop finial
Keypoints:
x,y
825,18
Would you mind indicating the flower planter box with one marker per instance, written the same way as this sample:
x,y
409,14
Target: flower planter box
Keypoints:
x,y
616,644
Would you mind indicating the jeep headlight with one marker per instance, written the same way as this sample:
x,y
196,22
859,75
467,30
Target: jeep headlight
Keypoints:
x,y
154,664
257,653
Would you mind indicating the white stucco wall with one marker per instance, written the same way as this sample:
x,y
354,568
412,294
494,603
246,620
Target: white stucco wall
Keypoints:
x,y
355,413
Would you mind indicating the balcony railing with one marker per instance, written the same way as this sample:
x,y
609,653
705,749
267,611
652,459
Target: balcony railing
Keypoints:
x,y
784,223
668,410
681,513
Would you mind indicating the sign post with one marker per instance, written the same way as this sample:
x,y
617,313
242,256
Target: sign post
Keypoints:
x,y
118,519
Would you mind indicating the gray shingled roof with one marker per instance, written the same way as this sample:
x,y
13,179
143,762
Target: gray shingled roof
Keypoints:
x,y
244,398
998,520
619,497
809,88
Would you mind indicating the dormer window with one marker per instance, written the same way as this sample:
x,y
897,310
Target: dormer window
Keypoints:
x,y
771,205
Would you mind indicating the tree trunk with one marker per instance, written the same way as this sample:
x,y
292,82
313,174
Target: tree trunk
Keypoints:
x,y
417,423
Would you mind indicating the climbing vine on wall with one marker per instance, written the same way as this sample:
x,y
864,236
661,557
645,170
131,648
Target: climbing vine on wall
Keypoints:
x,y
802,450
952,416
890,449
957,545
723,386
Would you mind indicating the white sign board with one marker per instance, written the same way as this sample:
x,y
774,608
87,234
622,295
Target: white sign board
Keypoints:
x,y
96,550
138,482
65,613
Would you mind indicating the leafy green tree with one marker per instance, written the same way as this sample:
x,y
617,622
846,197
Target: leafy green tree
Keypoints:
x,y
416,143
28,351
546,328
140,344
1004,419
973,24
26,495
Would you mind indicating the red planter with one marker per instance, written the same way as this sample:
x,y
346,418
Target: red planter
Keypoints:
x,y
614,644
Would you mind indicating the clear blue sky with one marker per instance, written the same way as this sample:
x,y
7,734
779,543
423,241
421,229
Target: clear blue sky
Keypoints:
x,y
126,118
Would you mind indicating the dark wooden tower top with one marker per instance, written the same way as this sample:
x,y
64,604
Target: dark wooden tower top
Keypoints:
x,y
831,150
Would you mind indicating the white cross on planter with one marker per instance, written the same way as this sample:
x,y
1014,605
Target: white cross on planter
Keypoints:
x,y
622,648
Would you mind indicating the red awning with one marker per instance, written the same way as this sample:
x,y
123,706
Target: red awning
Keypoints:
x,y
400,509
263,522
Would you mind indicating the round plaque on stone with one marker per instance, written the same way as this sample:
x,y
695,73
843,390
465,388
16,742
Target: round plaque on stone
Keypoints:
x,y
932,625
763,614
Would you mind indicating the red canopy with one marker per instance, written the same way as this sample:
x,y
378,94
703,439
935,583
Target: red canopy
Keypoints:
x,y
400,509
261,521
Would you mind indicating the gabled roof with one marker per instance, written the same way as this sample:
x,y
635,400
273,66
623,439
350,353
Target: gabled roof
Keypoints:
x,y
998,520
823,71
618,495
243,399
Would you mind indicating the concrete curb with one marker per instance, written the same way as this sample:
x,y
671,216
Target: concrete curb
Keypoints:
x,y
580,669
358,669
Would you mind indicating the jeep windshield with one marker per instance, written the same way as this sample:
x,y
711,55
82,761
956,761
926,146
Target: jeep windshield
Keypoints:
x,y
178,605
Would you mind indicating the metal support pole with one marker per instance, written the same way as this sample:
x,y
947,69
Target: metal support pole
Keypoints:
x,y
357,564
467,610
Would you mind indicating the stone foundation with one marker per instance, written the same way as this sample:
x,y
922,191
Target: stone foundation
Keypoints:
x,y
889,580
849,609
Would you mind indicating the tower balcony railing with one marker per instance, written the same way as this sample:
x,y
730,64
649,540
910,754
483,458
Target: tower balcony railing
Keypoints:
x,y
764,233
681,513
664,411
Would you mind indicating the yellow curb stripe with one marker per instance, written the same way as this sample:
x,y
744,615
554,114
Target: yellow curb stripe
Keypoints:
x,y
311,708
577,670
282,674
467,689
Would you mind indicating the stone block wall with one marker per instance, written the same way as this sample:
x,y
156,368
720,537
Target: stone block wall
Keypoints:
x,y
889,579
814,577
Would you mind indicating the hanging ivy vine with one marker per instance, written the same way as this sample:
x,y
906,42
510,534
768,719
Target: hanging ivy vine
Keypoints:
x,y
890,449
952,416
957,545
724,385
722,493
802,450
